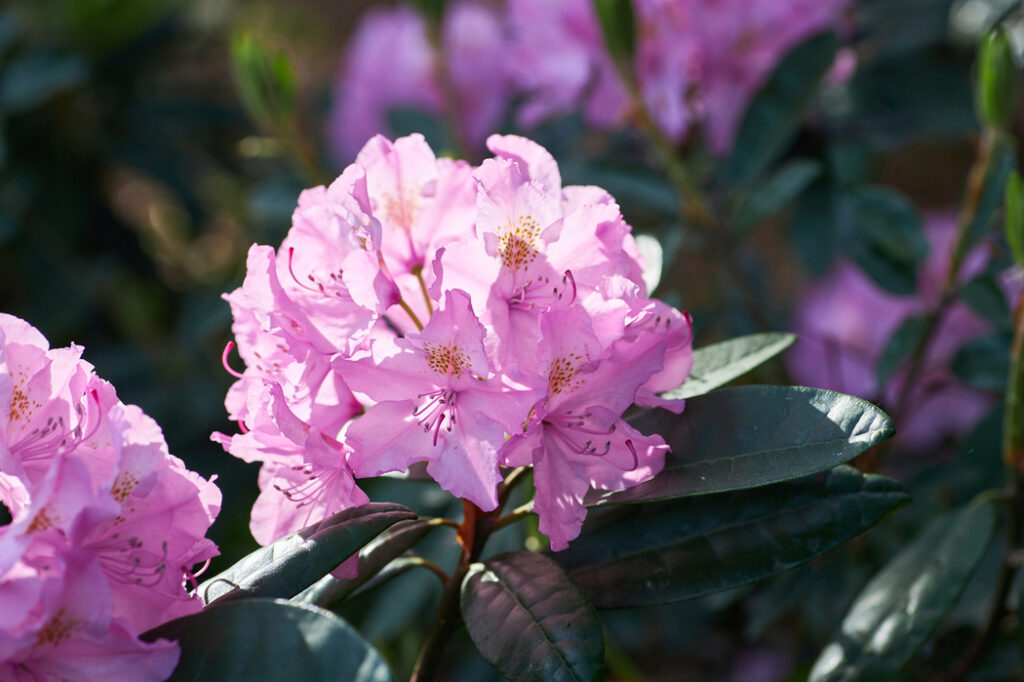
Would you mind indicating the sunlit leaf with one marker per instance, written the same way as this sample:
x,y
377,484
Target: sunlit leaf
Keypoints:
x,y
898,610
293,563
720,363
747,436
372,558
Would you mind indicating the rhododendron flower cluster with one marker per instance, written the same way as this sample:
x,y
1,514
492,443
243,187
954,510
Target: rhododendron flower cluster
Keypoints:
x,y
106,524
845,322
422,310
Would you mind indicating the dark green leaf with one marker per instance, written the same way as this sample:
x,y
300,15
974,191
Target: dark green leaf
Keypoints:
x,y
900,345
1014,198
898,610
773,194
747,436
997,80
293,563
531,621
372,558
268,640
431,9
887,241
986,298
849,162
984,362
818,214
680,549
774,116
1002,163
720,363
619,28
31,80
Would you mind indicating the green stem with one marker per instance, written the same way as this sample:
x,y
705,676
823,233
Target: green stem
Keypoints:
x,y
1013,419
508,485
968,215
452,119
515,515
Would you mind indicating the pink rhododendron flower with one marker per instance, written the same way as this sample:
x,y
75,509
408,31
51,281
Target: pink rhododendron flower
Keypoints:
x,y
392,64
696,61
846,321
106,524
517,333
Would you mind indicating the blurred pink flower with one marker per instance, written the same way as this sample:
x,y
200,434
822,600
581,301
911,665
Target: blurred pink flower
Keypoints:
x,y
697,62
845,322
392,64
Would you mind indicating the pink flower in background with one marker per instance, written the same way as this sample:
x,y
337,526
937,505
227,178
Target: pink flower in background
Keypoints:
x,y
389,65
558,59
846,321
496,275
106,524
392,64
697,62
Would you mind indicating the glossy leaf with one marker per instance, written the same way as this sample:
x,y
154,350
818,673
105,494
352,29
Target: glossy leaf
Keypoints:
x,y
720,363
681,549
898,610
900,345
774,116
293,563
773,194
531,621
265,640
373,557
747,436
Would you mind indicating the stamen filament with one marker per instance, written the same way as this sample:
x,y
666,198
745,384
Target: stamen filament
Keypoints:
x,y
224,360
